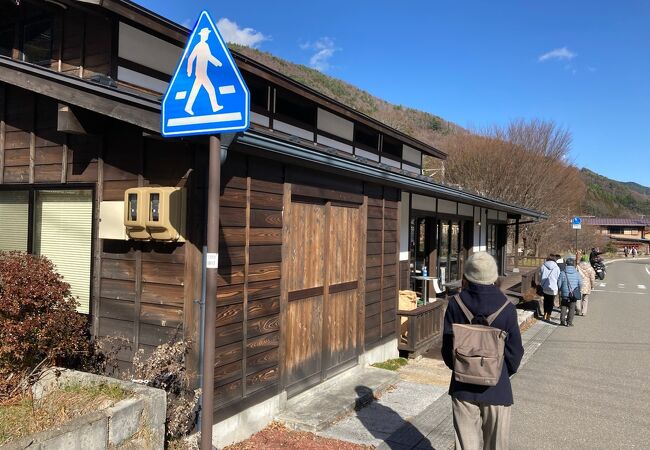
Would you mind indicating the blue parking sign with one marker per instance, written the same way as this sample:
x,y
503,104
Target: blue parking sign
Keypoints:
x,y
207,94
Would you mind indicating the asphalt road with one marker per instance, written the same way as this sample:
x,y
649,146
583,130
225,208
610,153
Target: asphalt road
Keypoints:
x,y
588,386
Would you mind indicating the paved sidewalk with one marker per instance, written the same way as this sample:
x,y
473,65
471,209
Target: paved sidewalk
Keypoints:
x,y
433,427
416,412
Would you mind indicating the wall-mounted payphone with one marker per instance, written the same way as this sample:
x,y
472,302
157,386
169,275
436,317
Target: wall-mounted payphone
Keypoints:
x,y
156,213
135,210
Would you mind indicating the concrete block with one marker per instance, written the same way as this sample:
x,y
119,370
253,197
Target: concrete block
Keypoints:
x,y
125,419
90,434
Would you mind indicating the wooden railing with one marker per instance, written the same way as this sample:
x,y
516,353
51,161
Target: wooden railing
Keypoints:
x,y
424,327
524,261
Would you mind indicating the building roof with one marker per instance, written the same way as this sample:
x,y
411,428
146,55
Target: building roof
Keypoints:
x,y
616,222
179,34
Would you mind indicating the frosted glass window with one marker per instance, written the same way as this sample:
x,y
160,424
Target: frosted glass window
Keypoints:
x,y
14,220
63,233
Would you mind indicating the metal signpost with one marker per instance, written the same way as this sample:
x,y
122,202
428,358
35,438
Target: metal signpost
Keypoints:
x,y
576,224
207,95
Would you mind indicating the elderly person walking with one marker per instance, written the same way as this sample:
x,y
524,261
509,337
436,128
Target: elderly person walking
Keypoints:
x,y
567,284
548,276
588,278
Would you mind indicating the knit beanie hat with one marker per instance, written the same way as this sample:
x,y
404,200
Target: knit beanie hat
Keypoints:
x,y
481,268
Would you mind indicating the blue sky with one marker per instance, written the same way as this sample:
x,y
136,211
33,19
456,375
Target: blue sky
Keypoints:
x,y
582,64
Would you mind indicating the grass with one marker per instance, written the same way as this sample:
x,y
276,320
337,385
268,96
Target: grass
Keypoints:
x,y
22,416
391,364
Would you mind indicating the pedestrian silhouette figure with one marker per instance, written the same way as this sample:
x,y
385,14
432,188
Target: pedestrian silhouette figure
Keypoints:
x,y
201,53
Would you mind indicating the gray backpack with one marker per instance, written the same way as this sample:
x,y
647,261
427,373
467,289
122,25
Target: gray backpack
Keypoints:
x,y
478,349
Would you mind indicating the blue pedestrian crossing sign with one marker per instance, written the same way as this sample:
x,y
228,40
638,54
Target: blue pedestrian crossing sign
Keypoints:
x,y
207,94
576,223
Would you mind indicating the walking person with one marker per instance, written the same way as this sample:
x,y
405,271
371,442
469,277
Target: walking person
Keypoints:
x,y
481,414
625,251
568,282
588,278
548,275
634,252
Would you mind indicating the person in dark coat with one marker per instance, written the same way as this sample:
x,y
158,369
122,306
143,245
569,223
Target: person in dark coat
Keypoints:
x,y
482,413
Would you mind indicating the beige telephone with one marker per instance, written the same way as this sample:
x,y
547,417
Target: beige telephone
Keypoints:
x,y
165,220
135,212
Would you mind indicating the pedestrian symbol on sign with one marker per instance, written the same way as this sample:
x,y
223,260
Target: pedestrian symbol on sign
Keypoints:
x,y
207,94
202,55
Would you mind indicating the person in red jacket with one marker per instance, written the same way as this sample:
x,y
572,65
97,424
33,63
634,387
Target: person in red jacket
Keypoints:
x,y
482,413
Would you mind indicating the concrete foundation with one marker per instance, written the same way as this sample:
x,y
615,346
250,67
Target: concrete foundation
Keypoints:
x,y
383,352
248,422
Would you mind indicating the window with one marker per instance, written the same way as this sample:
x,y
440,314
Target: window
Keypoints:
x,y
14,210
391,147
6,40
37,42
366,138
615,230
259,93
295,109
450,250
61,230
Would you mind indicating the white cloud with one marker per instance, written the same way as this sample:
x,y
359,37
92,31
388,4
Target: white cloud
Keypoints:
x,y
558,54
248,37
187,23
323,49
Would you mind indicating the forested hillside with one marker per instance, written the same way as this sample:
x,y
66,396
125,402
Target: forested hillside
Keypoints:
x,y
611,198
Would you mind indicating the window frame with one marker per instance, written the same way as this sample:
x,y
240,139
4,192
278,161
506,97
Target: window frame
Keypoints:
x,y
32,189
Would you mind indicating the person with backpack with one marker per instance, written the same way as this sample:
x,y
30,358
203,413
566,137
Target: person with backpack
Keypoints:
x,y
549,273
570,286
481,344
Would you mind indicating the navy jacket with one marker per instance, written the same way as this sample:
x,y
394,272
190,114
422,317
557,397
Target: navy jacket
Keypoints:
x,y
484,300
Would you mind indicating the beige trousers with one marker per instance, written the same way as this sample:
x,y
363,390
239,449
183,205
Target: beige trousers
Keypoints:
x,y
479,426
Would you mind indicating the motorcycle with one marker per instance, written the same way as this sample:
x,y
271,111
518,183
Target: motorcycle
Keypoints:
x,y
599,267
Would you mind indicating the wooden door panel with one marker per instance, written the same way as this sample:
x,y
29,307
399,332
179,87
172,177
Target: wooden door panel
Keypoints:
x,y
307,246
341,341
344,245
304,339
341,303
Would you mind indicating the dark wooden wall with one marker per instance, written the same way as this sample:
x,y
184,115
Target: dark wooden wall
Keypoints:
x,y
139,290
82,41
382,261
248,294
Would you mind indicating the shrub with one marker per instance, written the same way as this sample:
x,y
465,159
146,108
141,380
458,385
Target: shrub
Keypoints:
x,y
38,320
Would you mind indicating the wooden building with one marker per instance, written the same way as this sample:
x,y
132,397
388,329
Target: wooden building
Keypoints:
x,y
630,233
324,213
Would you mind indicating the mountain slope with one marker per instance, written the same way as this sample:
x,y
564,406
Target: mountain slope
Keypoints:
x,y
421,125
605,197
611,198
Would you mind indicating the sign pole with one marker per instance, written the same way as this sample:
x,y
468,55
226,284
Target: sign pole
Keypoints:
x,y
207,380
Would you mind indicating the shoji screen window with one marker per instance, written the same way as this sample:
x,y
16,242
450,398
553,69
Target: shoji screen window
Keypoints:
x,y
63,233
14,221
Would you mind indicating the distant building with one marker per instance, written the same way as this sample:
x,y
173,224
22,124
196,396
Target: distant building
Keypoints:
x,y
624,232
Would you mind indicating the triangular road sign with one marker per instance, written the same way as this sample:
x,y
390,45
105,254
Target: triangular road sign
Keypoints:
x,y
207,94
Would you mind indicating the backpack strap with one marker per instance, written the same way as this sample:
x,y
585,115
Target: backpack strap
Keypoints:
x,y
463,308
495,314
